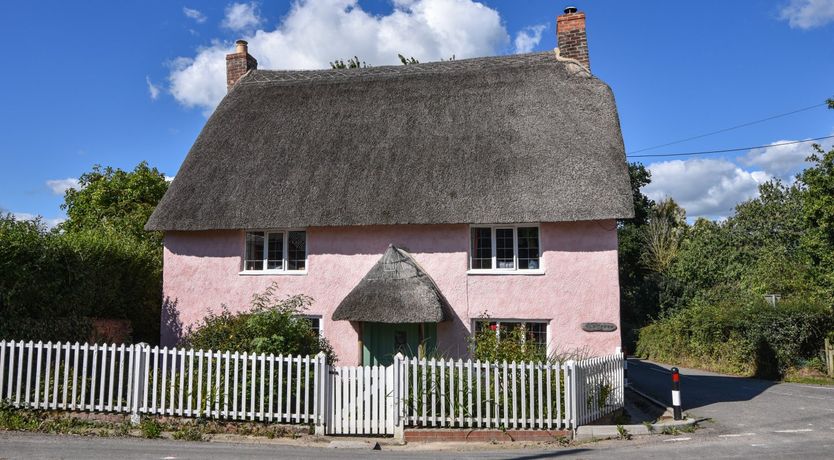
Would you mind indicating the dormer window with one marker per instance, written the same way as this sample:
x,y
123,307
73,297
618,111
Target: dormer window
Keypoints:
x,y
275,251
504,248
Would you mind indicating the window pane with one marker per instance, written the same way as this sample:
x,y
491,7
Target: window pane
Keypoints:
x,y
315,323
254,259
297,251
528,248
537,333
481,248
504,247
275,261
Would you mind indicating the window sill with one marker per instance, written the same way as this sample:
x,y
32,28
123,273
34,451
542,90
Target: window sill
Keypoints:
x,y
537,272
273,273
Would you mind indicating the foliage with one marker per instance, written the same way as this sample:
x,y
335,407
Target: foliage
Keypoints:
x,y
188,433
150,428
818,240
702,302
272,325
352,63
52,283
638,284
407,61
662,236
730,331
115,200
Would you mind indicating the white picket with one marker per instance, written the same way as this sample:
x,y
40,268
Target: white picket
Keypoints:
x,y
348,400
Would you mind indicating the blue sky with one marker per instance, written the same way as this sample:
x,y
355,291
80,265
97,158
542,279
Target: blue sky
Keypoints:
x,y
115,83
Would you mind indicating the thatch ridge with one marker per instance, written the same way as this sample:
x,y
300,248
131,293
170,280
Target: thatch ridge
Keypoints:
x,y
395,290
508,139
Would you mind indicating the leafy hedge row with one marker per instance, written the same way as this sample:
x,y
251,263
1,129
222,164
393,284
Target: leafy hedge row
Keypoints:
x,y
52,283
739,336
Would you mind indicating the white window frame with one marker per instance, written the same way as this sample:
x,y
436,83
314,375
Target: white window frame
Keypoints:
x,y
284,256
498,321
504,271
321,322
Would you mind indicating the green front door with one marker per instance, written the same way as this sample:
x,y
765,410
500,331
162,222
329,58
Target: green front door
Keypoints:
x,y
381,341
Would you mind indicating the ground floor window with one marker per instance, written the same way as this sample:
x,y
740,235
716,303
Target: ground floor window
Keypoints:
x,y
316,324
535,331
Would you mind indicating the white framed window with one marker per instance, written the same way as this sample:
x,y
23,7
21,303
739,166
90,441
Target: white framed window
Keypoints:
x,y
275,251
536,331
504,248
316,323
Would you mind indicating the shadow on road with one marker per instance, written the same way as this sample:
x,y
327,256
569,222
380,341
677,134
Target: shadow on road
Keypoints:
x,y
697,389
551,454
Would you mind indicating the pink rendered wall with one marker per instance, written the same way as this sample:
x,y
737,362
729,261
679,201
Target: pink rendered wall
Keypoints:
x,y
580,283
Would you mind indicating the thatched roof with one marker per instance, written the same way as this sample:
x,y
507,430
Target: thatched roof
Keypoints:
x,y
395,290
521,138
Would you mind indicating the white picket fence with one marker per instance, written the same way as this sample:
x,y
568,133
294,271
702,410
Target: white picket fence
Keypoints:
x,y
138,379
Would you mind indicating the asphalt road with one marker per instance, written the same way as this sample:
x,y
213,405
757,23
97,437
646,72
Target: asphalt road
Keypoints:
x,y
795,419
748,419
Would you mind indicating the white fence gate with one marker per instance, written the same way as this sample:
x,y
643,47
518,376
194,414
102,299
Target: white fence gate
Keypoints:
x,y
359,400
362,400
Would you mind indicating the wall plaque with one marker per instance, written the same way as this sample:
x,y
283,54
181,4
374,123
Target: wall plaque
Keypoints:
x,y
599,327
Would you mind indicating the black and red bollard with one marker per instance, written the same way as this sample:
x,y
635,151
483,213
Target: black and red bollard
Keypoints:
x,y
676,394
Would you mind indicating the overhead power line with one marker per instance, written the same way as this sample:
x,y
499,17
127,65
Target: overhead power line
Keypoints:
x,y
743,125
739,149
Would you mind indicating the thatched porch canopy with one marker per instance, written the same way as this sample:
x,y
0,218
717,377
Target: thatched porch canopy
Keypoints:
x,y
395,290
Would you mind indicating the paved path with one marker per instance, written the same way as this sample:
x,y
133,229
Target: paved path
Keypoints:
x,y
760,414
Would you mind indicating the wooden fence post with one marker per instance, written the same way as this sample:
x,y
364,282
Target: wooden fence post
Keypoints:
x,y
829,357
139,380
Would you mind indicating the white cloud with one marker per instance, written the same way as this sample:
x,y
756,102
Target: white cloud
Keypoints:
x,y
60,186
241,17
807,14
153,90
782,161
194,14
704,187
528,38
50,223
315,32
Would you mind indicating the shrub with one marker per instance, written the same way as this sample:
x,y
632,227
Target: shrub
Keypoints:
x,y
51,283
150,428
738,335
273,325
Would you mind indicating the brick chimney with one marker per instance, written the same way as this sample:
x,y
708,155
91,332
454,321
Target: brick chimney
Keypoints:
x,y
571,37
238,63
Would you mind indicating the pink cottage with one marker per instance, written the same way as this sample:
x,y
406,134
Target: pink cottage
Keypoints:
x,y
408,201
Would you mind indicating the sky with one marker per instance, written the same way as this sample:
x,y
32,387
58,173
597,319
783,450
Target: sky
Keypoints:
x,y
117,83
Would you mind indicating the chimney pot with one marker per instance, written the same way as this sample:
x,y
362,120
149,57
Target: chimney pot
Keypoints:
x,y
570,9
241,46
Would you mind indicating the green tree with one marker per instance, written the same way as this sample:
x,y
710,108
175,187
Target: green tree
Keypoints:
x,y
113,199
638,286
818,239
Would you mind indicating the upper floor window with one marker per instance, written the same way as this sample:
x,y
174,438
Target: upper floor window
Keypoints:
x,y
505,248
276,251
